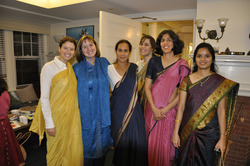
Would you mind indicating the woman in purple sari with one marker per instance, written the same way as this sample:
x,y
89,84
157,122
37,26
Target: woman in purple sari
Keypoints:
x,y
163,78
127,122
205,112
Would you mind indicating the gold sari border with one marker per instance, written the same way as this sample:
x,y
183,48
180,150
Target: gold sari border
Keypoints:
x,y
202,116
128,114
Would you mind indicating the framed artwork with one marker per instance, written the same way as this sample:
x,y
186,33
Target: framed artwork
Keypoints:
x,y
78,32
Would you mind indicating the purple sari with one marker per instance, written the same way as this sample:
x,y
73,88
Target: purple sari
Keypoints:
x,y
199,131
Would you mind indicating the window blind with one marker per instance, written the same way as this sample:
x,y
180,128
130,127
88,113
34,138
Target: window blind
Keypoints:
x,y
3,68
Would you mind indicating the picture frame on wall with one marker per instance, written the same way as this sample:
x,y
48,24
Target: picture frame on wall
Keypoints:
x,y
78,32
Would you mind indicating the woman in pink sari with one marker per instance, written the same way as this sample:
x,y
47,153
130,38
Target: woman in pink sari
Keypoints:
x,y
163,78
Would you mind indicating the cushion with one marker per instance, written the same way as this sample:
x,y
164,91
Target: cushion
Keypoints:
x,y
13,100
14,94
26,94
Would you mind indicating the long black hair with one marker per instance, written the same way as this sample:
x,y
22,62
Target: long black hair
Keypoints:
x,y
213,66
178,44
3,86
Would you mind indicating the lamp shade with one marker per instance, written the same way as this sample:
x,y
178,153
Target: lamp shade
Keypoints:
x,y
199,23
57,38
223,22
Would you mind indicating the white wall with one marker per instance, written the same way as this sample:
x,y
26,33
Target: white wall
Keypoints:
x,y
60,29
235,35
238,27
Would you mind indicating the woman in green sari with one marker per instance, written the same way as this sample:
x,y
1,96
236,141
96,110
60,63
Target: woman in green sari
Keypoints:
x,y
205,112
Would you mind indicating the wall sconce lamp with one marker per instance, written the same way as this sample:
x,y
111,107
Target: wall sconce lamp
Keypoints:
x,y
211,34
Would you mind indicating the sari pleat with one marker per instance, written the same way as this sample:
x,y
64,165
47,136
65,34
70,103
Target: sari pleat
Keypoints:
x,y
66,147
127,122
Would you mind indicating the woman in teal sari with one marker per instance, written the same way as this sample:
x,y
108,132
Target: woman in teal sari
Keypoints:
x,y
205,112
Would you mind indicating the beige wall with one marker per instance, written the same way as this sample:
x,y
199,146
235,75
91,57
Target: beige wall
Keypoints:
x,y
60,29
238,27
235,35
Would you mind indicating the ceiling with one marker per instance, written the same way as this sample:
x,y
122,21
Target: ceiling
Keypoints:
x,y
88,10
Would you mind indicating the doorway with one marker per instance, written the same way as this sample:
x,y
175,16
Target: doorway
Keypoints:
x,y
183,28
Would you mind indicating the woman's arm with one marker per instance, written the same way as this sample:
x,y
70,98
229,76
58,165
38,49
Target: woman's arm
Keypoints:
x,y
173,101
46,78
179,115
158,114
222,123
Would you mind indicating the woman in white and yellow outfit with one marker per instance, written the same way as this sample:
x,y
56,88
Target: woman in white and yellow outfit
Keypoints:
x,y
57,112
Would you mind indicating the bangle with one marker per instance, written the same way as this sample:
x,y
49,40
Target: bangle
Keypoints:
x,y
178,120
223,134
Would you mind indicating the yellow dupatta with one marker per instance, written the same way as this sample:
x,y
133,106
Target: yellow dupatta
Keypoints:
x,y
66,147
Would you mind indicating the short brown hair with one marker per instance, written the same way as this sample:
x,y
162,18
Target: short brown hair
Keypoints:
x,y
67,38
79,54
151,40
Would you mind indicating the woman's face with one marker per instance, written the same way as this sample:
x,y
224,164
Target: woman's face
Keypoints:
x,y
166,44
67,51
145,48
203,59
88,49
122,52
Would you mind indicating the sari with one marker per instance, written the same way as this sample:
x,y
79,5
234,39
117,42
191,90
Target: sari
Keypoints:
x,y
199,131
161,151
10,152
66,147
141,82
127,122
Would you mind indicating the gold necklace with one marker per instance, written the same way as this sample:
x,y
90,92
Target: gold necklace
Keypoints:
x,y
204,81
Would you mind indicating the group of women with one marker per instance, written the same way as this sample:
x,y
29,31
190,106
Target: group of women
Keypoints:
x,y
138,118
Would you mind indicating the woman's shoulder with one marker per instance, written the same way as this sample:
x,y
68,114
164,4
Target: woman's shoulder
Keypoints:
x,y
139,62
103,60
155,60
111,66
133,64
48,66
76,65
183,61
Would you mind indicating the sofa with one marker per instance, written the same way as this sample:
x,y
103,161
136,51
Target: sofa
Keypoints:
x,y
25,95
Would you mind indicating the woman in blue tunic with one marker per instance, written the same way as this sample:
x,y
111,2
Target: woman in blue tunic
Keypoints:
x,y
127,122
93,96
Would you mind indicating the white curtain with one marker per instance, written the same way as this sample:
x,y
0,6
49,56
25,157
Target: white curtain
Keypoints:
x,y
10,60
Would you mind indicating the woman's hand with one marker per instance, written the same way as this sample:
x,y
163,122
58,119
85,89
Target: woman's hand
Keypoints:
x,y
51,132
165,110
158,114
221,144
176,140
